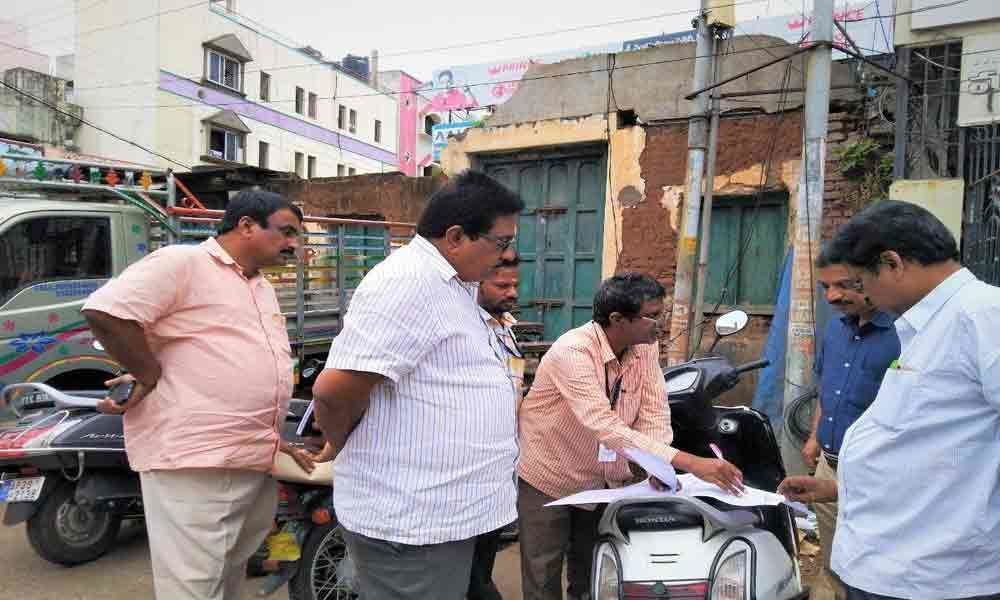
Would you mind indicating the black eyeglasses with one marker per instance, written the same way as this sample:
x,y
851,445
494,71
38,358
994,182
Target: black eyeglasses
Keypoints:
x,y
502,243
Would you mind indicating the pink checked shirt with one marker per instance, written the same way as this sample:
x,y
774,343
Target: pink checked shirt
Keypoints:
x,y
567,414
221,341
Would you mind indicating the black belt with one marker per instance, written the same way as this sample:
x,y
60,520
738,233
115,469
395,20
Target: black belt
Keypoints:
x,y
831,459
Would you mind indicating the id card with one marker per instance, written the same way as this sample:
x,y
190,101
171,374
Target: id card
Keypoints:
x,y
606,455
516,366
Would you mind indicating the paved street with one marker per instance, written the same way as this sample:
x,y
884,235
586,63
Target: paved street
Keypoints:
x,y
125,573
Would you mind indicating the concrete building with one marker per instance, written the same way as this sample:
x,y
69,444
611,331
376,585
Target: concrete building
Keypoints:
x,y
947,119
203,85
416,120
27,120
602,168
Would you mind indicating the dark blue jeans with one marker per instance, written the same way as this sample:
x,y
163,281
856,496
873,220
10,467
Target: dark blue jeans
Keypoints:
x,y
856,594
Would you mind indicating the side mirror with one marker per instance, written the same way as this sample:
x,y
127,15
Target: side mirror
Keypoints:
x,y
97,346
731,322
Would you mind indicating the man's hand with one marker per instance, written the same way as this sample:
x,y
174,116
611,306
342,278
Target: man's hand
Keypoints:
x,y
720,472
340,401
305,459
810,452
139,392
802,488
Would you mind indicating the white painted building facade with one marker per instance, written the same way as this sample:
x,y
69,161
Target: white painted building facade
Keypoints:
x,y
203,85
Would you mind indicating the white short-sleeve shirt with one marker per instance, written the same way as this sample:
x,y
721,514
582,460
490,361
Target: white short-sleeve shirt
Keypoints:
x,y
432,460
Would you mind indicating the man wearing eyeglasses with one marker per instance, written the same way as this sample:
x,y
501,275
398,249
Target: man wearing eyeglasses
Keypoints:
x,y
855,352
417,404
598,392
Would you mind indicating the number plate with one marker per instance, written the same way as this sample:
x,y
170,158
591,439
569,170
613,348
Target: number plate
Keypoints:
x,y
25,489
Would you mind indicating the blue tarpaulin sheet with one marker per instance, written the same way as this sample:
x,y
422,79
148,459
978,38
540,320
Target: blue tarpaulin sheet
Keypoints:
x,y
768,397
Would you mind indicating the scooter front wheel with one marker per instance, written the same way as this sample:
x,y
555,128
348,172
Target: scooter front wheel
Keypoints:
x,y
67,533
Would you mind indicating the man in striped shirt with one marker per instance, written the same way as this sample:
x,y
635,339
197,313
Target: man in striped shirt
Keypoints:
x,y
598,392
418,405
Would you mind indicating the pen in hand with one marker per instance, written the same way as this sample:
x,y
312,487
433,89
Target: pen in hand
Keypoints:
x,y
718,454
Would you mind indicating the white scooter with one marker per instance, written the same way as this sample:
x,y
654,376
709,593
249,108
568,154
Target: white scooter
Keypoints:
x,y
687,548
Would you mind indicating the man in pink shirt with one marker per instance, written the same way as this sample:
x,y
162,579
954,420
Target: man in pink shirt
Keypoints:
x,y
200,330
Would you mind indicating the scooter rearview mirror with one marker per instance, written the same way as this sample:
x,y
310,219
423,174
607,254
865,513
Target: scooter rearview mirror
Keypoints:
x,y
731,322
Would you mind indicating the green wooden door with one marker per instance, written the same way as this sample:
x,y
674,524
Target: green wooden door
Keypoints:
x,y
560,232
746,252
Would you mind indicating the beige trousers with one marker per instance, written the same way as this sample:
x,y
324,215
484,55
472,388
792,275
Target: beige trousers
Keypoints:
x,y
831,587
204,524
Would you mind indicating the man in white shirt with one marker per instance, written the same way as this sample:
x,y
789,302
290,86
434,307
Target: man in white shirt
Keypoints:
x,y
417,405
919,474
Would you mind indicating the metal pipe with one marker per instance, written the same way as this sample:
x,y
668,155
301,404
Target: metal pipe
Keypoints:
x,y
697,314
211,213
808,219
771,92
847,36
69,185
190,195
680,313
872,63
341,275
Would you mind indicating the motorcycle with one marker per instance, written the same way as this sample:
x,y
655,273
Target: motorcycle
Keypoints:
x,y
701,548
64,472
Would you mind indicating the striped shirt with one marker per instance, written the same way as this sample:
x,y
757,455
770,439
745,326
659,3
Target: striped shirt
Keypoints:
x,y
567,413
433,458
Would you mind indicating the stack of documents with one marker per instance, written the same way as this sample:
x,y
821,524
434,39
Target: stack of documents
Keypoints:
x,y
690,486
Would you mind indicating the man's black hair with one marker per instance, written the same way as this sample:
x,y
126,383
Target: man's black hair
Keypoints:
x,y
472,200
256,204
624,293
909,230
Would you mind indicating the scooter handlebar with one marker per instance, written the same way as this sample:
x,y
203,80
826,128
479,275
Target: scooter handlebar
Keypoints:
x,y
60,399
752,366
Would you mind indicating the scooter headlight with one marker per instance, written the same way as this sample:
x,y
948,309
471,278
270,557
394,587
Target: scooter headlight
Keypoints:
x,y
730,580
608,581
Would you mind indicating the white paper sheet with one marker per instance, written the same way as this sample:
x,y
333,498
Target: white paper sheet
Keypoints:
x,y
691,486
654,465
643,489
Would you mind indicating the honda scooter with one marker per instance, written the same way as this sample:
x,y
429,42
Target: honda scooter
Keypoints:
x,y
689,547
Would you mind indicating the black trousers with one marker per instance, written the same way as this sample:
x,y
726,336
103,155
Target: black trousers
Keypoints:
x,y
481,586
550,536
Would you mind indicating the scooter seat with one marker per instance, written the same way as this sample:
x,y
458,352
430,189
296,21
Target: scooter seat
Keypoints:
x,y
657,517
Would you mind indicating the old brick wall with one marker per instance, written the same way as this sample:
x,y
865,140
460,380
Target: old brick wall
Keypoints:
x,y
649,229
743,146
390,196
839,193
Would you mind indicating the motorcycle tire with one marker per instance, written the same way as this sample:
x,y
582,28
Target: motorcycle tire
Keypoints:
x,y
65,533
799,415
317,577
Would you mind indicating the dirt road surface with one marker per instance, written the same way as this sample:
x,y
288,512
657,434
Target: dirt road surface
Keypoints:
x,y
125,573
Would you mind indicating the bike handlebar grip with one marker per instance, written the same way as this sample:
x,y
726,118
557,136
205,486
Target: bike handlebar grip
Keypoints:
x,y
751,366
